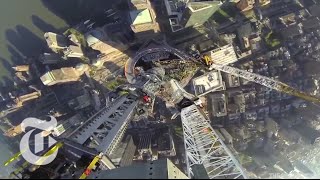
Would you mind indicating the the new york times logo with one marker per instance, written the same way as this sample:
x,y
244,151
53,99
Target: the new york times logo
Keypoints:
x,y
37,140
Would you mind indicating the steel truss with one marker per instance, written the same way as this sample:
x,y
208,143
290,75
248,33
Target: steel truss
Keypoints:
x,y
265,81
104,130
204,147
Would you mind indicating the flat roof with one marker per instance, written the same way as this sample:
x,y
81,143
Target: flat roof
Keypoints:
x,y
140,16
208,82
218,104
224,55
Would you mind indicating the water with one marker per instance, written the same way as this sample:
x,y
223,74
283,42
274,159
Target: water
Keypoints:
x,y
23,23
21,34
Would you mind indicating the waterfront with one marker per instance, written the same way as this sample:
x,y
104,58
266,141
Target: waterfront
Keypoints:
x,y
21,34
24,22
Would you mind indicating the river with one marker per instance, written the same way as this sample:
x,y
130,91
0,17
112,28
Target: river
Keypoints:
x,y
23,23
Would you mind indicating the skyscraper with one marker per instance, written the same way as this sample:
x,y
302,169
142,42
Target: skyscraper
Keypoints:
x,y
197,13
63,75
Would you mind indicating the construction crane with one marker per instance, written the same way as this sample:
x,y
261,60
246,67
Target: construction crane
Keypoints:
x,y
206,60
262,80
54,148
91,166
99,158
204,148
266,81
202,144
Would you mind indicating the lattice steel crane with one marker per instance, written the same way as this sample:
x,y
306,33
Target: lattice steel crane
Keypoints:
x,y
262,80
266,81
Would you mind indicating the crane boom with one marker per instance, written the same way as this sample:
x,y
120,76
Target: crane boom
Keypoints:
x,y
204,147
266,81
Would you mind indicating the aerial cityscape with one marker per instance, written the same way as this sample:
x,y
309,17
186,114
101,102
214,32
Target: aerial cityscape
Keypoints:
x,y
163,89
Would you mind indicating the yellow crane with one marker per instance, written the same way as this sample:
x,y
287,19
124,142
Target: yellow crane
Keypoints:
x,y
206,60
26,163
91,166
98,158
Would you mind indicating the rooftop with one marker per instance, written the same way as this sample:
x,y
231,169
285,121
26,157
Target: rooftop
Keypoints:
x,y
244,30
140,16
224,55
288,19
291,31
55,40
218,104
197,6
209,82
60,75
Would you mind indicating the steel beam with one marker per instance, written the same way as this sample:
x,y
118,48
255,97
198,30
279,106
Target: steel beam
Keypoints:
x,y
203,146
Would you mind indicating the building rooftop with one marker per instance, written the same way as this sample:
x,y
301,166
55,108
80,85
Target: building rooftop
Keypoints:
x,y
80,102
218,104
125,152
288,19
209,82
244,30
140,16
244,5
197,13
50,58
197,6
224,55
138,4
291,31
94,36
55,40
65,74
231,80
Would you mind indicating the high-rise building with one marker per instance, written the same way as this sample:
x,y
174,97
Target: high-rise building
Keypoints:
x,y
143,19
245,5
125,152
63,75
21,68
208,82
55,41
224,55
184,14
50,58
159,169
197,13
73,51
99,39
